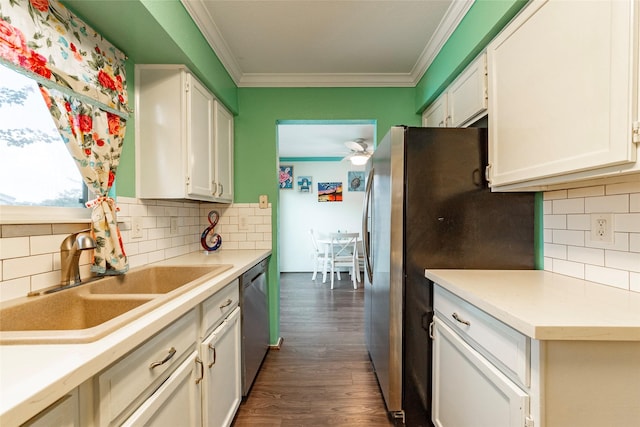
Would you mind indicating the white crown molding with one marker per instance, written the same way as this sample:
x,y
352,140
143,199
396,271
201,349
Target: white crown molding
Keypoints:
x,y
326,80
205,23
456,12
209,30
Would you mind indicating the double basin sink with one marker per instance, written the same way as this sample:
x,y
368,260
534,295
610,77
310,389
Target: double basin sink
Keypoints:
x,y
92,310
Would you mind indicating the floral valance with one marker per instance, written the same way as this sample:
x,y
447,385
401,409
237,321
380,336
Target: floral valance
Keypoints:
x,y
57,48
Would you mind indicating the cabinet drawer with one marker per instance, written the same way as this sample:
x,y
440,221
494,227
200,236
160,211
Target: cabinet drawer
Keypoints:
x,y
218,306
507,348
468,390
125,384
176,402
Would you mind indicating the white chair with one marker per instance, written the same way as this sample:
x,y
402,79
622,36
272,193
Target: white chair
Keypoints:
x,y
320,256
344,253
360,259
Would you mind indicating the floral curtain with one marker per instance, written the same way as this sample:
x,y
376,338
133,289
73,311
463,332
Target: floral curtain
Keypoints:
x,y
82,80
94,138
46,40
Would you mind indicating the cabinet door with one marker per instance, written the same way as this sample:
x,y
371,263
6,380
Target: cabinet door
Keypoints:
x,y
200,151
470,391
160,131
224,153
560,90
177,402
221,354
436,114
64,413
467,95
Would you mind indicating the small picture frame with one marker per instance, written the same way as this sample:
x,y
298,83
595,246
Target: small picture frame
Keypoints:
x,y
355,180
305,184
329,191
286,177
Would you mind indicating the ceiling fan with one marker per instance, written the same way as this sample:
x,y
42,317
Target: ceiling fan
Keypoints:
x,y
359,151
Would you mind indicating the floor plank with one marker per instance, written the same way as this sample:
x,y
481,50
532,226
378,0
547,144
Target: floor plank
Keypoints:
x,y
322,375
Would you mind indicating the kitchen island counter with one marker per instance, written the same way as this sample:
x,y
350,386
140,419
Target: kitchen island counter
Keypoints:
x,y
32,377
547,306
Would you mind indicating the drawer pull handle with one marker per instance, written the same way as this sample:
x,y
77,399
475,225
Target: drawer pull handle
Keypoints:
x,y
213,359
459,319
227,303
199,362
172,352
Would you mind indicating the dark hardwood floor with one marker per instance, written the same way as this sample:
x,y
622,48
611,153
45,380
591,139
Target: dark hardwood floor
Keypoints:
x,y
322,375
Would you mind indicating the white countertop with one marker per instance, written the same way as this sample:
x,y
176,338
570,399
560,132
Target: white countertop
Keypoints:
x,y
33,377
547,306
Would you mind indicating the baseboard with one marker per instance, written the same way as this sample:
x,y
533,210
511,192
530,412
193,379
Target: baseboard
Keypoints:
x,y
277,345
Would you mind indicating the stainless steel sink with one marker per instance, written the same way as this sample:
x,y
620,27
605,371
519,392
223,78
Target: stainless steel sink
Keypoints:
x,y
90,311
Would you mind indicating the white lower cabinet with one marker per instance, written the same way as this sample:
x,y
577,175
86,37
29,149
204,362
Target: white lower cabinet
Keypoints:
x,y
63,413
222,381
177,402
470,391
487,374
188,374
125,385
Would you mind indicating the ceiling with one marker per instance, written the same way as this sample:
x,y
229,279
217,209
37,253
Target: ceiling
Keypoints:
x,y
326,43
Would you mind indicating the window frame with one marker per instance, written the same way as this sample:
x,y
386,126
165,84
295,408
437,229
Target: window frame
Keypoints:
x,y
29,214
10,214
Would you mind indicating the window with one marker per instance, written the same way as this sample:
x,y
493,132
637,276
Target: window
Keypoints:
x,y
35,167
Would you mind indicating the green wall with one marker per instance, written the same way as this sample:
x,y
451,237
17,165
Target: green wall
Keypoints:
x,y
256,141
480,25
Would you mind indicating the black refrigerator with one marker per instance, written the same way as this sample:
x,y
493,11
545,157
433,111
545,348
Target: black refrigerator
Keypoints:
x,y
427,205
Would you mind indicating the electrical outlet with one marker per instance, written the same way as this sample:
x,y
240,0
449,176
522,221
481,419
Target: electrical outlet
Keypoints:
x,y
263,201
136,227
173,225
243,223
602,227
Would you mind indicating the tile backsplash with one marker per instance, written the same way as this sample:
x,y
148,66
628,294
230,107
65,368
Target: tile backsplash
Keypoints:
x,y
568,246
30,254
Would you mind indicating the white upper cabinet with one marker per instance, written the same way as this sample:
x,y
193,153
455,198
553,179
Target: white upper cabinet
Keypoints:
x,y
467,95
436,115
464,101
184,137
223,125
201,161
563,94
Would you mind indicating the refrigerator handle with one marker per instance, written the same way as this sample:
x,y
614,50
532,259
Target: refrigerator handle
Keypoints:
x,y
365,226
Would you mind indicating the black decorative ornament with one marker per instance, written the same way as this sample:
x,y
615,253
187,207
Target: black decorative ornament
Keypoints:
x,y
209,239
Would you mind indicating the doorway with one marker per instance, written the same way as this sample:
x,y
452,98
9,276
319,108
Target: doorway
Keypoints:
x,y
312,154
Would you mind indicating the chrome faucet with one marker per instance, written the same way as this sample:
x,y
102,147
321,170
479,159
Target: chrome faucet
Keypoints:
x,y
70,251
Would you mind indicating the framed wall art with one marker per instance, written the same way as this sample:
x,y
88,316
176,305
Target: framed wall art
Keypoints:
x,y
304,184
286,177
329,191
355,180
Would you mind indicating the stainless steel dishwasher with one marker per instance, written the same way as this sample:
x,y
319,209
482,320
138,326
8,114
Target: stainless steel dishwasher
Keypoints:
x,y
255,321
